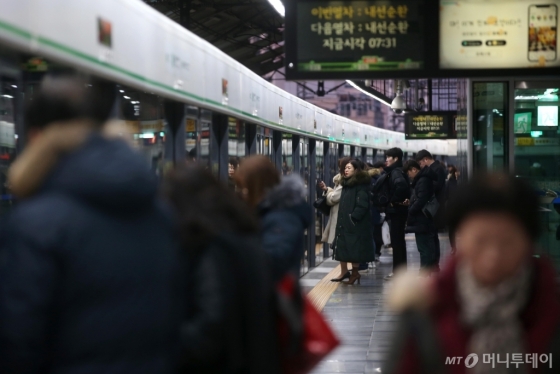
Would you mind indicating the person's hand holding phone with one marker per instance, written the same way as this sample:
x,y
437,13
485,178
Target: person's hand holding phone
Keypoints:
x,y
322,186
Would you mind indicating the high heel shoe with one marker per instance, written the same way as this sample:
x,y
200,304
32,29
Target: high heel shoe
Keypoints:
x,y
345,276
355,277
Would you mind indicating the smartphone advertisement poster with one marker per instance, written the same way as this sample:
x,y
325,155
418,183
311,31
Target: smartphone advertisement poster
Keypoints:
x,y
504,34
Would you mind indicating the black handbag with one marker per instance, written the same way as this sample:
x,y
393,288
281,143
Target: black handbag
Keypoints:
x,y
431,208
321,205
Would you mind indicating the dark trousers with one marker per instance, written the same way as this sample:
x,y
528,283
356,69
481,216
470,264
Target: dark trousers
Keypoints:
x,y
426,246
378,238
437,251
398,223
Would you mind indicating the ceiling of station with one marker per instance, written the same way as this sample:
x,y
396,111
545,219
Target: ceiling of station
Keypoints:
x,y
250,31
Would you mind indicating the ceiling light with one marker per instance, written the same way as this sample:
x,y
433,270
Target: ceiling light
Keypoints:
x,y
367,93
121,91
126,97
277,4
8,96
14,86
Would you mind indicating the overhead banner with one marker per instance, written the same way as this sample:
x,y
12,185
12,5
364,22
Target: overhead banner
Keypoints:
x,y
430,125
361,37
498,34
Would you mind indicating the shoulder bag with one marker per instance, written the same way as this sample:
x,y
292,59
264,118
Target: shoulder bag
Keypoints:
x,y
431,207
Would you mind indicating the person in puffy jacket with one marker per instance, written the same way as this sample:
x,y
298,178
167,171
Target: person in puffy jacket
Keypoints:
x,y
418,222
333,198
228,321
89,277
354,233
284,213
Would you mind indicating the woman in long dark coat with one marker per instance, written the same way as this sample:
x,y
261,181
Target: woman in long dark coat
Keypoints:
x,y
354,233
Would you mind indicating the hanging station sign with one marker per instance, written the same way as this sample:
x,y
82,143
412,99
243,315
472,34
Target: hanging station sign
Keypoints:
x,y
430,125
420,38
349,38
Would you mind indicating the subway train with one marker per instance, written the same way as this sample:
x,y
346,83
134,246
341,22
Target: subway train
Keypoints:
x,y
179,97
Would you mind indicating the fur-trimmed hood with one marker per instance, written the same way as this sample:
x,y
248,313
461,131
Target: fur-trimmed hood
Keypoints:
x,y
373,172
360,177
101,172
290,192
289,195
336,179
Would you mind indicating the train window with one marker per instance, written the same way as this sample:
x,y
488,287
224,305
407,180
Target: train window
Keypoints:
x,y
370,156
205,125
287,150
8,138
192,140
140,118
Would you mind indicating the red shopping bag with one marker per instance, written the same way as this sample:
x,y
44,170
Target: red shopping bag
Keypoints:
x,y
305,336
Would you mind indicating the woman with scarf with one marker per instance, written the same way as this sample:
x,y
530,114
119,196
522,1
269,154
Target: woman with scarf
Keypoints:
x,y
493,298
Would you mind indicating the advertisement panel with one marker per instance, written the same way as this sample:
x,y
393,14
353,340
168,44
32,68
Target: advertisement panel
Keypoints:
x,y
499,34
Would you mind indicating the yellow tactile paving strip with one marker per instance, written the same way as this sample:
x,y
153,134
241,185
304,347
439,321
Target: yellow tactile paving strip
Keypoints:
x,y
321,293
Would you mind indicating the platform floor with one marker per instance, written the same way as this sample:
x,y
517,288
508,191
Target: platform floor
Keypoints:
x,y
358,315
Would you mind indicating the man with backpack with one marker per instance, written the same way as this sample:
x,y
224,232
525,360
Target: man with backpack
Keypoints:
x,y
425,159
389,194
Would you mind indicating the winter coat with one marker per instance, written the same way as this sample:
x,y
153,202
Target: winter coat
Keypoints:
x,y
439,190
376,218
284,217
440,334
89,277
399,189
354,231
230,325
450,187
333,198
422,192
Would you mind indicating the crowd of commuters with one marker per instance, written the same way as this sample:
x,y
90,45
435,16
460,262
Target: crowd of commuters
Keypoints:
x,y
409,187
105,268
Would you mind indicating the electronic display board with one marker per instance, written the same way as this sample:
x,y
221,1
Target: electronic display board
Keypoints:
x,y
358,37
430,125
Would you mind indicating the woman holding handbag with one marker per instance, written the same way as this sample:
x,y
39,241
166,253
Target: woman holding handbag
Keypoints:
x,y
333,198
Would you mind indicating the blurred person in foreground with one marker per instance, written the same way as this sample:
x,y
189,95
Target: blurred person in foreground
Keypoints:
x,y
493,297
426,160
333,199
418,222
353,241
89,276
228,322
284,213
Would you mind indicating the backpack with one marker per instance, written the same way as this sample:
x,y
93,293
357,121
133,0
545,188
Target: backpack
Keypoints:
x,y
381,192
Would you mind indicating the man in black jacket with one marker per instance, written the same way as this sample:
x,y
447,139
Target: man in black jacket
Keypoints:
x,y
418,222
425,159
89,277
397,212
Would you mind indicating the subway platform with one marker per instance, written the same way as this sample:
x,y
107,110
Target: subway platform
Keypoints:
x,y
357,313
